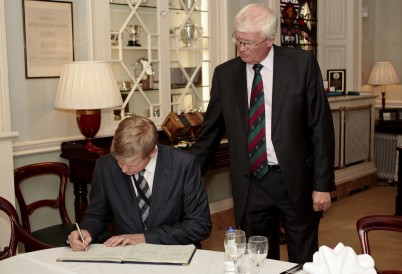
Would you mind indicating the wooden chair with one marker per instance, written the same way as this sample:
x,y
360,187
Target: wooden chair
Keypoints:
x,y
18,234
54,235
377,222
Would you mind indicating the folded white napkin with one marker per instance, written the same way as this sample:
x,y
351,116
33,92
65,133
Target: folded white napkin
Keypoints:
x,y
340,260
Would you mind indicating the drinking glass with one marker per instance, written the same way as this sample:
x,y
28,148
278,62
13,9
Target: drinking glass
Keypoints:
x,y
246,264
260,250
235,244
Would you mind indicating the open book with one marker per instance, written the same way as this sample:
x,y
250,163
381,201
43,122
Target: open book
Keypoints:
x,y
140,253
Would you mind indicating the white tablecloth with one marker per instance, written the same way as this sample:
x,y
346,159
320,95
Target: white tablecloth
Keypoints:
x,y
43,262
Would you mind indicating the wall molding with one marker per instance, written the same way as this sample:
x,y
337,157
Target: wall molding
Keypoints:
x,y
28,148
21,149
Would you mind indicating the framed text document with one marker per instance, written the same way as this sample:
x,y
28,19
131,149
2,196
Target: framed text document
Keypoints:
x,y
48,33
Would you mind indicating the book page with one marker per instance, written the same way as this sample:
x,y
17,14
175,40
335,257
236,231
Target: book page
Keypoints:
x,y
152,253
97,252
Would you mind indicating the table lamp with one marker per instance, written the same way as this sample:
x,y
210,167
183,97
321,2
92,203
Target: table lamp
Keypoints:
x,y
88,87
382,74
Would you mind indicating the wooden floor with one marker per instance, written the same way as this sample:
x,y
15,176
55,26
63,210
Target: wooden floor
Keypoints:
x,y
339,225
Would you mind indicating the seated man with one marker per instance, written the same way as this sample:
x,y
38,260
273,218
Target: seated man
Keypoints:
x,y
153,193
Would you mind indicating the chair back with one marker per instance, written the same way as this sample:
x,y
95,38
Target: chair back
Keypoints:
x,y
18,234
377,222
23,173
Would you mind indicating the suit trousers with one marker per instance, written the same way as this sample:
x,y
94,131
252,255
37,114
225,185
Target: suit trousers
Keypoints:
x,y
268,203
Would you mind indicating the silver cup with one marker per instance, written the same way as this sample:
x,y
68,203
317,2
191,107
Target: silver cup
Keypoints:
x,y
114,39
133,31
189,33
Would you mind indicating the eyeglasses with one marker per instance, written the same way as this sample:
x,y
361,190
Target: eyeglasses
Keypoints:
x,y
246,44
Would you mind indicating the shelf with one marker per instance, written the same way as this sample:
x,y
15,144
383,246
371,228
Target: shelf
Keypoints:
x,y
133,48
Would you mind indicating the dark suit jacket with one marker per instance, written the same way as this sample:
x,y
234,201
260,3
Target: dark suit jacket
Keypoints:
x,y
179,212
302,127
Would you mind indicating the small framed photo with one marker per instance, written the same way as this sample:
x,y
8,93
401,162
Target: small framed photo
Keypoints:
x,y
337,79
390,116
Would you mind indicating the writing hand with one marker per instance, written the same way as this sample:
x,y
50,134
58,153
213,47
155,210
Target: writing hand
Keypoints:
x,y
76,243
127,239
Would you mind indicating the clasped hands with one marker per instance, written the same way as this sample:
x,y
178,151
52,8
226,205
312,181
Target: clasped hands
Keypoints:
x,y
120,240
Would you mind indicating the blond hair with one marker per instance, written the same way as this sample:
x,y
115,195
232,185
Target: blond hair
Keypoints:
x,y
135,138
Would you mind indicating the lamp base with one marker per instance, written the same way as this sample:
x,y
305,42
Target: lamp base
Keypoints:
x,y
88,122
93,149
383,99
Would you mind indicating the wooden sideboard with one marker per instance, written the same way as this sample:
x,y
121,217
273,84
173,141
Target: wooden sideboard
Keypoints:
x,y
82,164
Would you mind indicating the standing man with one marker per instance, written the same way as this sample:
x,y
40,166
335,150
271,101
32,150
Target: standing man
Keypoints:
x,y
281,141
153,193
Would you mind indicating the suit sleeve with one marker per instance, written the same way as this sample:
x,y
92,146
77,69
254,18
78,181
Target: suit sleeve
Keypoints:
x,y
212,130
322,131
98,214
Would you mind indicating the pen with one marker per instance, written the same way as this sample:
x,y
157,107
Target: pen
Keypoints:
x,y
82,236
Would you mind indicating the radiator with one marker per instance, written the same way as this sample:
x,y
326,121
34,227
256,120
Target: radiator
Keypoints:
x,y
386,156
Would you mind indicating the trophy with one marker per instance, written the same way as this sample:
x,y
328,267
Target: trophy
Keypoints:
x,y
134,31
188,33
147,80
114,38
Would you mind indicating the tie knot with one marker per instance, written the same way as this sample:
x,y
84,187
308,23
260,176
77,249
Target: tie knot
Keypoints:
x,y
141,173
257,68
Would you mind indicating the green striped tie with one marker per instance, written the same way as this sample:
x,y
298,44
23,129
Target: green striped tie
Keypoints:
x,y
256,148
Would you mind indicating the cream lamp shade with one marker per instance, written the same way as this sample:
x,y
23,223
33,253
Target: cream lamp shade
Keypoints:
x,y
87,85
382,74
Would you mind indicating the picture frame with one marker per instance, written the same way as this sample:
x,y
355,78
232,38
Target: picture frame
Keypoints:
x,y
337,80
390,116
48,37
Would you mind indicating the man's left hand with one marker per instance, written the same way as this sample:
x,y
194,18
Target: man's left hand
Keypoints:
x,y
127,239
321,200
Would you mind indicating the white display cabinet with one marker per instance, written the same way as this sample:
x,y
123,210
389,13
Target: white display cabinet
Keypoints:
x,y
160,55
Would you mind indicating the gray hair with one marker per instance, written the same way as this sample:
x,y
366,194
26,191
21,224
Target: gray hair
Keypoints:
x,y
255,18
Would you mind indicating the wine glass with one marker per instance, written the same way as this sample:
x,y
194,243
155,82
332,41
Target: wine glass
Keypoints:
x,y
246,264
235,244
260,249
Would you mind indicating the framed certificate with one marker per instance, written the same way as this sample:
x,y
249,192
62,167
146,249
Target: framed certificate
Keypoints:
x,y
336,79
48,34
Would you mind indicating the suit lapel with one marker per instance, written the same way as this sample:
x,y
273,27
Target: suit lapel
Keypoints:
x,y
132,199
280,82
239,83
161,177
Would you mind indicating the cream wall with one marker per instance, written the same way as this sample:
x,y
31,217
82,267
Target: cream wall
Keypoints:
x,y
382,41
